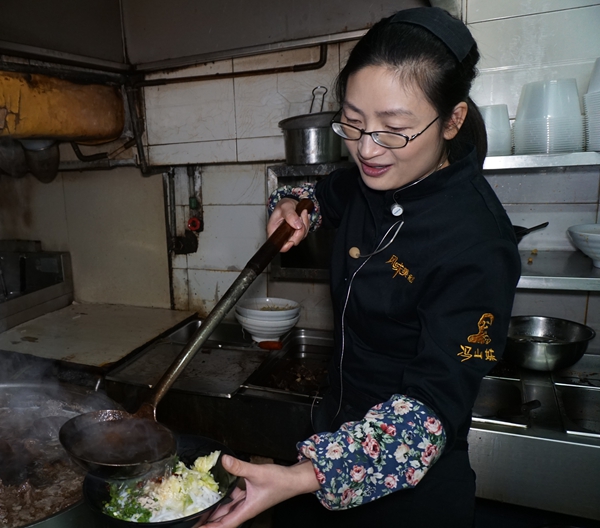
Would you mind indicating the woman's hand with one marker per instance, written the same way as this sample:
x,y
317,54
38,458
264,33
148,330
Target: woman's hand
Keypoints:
x,y
266,486
285,211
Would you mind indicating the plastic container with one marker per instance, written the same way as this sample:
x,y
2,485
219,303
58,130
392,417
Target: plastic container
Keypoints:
x,y
497,126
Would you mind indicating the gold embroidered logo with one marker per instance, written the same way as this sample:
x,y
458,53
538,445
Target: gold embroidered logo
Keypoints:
x,y
481,337
467,352
400,269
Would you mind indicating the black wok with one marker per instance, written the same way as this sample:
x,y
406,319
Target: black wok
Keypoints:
x,y
117,444
189,447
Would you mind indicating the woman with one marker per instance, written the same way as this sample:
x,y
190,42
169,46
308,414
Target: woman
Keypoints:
x,y
423,276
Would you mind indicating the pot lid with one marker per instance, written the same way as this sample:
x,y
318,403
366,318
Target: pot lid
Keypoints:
x,y
316,120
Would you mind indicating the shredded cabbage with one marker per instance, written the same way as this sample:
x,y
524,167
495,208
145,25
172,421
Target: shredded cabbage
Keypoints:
x,y
185,492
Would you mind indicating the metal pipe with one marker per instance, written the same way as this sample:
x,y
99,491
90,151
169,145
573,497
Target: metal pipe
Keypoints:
x,y
103,164
132,101
83,157
234,75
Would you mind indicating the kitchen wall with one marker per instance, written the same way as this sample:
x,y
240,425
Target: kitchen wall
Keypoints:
x,y
111,222
114,225
229,127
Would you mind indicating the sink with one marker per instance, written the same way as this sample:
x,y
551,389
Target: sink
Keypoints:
x,y
224,335
299,369
500,401
580,409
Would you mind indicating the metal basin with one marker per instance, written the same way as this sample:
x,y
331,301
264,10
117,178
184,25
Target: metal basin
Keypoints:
x,y
546,343
580,409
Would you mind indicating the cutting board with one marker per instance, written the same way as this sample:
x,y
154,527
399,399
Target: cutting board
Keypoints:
x,y
94,335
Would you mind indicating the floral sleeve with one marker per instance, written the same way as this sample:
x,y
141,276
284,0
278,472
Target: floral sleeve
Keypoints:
x,y
306,190
391,448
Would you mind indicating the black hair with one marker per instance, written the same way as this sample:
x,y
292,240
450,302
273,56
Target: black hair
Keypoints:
x,y
421,58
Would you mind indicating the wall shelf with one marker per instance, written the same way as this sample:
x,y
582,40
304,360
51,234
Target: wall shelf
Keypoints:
x,y
558,270
542,161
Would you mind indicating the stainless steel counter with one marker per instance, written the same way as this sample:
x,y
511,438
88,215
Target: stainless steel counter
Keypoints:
x,y
547,457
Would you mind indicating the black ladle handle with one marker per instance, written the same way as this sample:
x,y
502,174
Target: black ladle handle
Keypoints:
x,y
526,231
253,268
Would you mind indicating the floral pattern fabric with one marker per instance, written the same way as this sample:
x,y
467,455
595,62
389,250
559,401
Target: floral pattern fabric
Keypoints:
x,y
391,448
306,190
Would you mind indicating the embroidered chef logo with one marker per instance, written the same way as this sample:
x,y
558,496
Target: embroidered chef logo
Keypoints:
x,y
480,338
485,321
400,269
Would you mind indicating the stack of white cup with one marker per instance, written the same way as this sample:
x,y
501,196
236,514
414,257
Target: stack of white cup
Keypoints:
x,y
549,118
591,104
497,126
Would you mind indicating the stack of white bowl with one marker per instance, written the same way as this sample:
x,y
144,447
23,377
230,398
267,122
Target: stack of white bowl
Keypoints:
x,y
267,318
497,127
549,118
591,104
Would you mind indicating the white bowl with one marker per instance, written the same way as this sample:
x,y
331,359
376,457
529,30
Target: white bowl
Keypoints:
x,y
268,308
266,330
586,238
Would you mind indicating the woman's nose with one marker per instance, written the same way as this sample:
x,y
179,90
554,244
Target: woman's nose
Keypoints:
x,y
367,148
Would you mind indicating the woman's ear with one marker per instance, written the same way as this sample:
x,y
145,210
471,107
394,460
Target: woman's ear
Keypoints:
x,y
459,114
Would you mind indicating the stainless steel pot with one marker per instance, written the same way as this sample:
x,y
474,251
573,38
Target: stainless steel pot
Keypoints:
x,y
546,343
309,138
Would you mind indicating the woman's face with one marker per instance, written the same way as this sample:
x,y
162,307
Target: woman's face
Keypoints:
x,y
376,100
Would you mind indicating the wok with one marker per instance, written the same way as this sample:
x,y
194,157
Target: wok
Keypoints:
x,y
96,491
117,444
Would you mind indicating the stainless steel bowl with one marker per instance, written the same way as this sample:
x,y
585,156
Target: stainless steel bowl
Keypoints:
x,y
546,343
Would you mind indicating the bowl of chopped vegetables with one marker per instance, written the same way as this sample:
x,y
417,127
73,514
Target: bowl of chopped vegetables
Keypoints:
x,y
186,495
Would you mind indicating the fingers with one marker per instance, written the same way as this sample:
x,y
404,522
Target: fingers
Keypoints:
x,y
235,466
285,211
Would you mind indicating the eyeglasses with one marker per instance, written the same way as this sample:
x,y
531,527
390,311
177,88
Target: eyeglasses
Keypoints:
x,y
391,140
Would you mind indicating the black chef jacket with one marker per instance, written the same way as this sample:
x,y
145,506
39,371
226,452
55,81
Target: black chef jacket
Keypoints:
x,y
428,316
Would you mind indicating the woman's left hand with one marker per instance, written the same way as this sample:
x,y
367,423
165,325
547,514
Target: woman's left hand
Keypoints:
x,y
266,486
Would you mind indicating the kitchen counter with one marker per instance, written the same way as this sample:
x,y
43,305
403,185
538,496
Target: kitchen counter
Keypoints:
x,y
529,460
91,335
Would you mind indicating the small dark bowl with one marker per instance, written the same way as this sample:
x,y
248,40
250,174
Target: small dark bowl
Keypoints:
x,y
189,447
546,343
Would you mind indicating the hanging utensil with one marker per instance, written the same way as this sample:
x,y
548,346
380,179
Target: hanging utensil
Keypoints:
x,y
521,231
117,444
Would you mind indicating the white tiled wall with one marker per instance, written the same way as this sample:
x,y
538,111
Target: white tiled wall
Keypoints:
x,y
111,222
234,120
230,128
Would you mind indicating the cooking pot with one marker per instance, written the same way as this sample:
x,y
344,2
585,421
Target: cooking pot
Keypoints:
x,y
309,138
546,343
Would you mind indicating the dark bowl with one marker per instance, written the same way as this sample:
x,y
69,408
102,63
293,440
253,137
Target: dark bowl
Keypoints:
x,y
189,447
546,343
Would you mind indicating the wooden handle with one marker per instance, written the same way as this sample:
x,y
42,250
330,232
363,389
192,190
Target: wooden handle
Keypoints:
x,y
275,242
255,265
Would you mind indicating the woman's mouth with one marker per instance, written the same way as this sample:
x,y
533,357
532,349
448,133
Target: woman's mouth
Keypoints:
x,y
374,171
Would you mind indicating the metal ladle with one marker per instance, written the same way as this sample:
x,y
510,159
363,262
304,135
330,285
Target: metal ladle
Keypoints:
x,y
117,444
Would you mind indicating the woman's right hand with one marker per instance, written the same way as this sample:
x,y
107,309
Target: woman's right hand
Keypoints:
x,y
285,211
265,486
